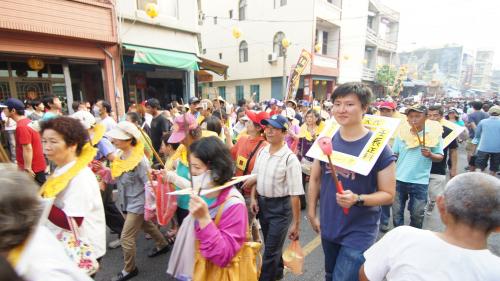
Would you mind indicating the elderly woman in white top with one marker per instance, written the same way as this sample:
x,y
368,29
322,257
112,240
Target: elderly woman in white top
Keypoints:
x,y
72,184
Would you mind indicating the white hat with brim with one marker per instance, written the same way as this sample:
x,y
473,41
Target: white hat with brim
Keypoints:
x,y
124,131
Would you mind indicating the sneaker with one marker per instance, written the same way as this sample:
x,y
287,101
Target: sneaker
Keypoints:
x,y
122,277
114,244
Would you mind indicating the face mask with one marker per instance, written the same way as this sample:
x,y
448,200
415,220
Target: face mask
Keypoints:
x,y
204,180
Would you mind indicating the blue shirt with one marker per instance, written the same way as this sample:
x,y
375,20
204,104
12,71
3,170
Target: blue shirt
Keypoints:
x,y
359,228
412,166
476,117
488,132
104,148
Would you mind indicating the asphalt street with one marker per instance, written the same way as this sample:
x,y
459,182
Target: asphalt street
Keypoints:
x,y
155,268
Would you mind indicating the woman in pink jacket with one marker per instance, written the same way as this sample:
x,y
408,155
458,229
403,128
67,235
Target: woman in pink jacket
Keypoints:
x,y
211,165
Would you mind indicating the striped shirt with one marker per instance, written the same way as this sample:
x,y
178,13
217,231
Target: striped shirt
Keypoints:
x,y
279,174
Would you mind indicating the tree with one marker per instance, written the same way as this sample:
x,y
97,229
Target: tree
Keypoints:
x,y
385,76
391,79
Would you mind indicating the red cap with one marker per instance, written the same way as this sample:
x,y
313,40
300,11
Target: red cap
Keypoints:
x,y
387,104
256,117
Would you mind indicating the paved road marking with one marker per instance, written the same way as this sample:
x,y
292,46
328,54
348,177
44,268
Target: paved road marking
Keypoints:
x,y
311,246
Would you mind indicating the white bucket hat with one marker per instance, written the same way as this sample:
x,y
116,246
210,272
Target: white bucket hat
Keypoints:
x,y
124,131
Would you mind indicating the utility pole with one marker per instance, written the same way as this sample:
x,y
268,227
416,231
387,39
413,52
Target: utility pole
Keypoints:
x,y
284,73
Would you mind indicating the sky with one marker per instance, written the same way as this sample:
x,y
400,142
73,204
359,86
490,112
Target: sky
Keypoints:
x,y
474,24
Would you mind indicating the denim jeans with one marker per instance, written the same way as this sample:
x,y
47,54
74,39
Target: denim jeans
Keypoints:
x,y
341,263
385,215
417,194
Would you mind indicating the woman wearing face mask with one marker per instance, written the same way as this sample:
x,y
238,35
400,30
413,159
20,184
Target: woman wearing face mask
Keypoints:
x,y
130,171
211,165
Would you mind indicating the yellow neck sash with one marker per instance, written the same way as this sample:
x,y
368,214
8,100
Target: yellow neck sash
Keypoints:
x,y
99,131
305,133
120,166
55,184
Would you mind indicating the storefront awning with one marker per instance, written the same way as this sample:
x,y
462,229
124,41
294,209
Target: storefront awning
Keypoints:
x,y
213,66
164,57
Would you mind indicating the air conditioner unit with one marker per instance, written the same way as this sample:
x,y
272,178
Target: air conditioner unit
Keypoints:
x,y
272,57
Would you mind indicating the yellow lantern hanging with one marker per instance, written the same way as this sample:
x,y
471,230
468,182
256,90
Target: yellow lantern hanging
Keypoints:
x,y
151,10
323,83
36,64
346,57
317,48
316,82
285,43
236,32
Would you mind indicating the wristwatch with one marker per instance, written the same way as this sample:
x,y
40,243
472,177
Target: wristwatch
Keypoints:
x,y
360,201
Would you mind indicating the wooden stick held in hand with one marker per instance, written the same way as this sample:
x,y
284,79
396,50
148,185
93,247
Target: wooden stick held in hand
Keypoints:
x,y
326,146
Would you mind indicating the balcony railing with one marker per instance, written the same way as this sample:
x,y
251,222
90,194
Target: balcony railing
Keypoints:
x,y
387,44
368,74
325,61
371,35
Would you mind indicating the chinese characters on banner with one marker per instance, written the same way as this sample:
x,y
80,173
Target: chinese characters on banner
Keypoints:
x,y
382,127
294,79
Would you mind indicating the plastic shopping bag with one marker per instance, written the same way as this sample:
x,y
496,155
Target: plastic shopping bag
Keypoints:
x,y
293,257
166,204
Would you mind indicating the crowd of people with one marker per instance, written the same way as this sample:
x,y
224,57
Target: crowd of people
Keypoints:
x,y
71,167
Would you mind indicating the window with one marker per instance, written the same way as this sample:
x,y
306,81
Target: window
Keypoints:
x,y
324,47
204,51
282,3
243,51
220,56
215,20
166,8
277,46
242,10
255,89
239,93
141,4
230,14
222,92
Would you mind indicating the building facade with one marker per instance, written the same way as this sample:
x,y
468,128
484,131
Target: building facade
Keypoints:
x,y
68,48
483,70
159,53
248,35
368,39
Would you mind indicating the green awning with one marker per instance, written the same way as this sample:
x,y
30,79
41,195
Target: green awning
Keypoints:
x,y
164,57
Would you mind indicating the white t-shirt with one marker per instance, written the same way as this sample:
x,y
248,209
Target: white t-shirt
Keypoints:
x,y
82,198
10,124
44,258
108,122
408,253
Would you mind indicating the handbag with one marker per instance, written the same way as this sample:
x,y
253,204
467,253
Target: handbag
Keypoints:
x,y
243,267
304,163
79,251
306,166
